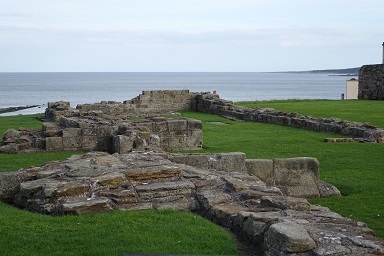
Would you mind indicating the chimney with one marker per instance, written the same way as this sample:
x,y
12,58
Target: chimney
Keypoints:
x,y
383,53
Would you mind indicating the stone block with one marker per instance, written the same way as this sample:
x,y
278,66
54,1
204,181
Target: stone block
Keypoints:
x,y
297,177
51,129
304,191
177,125
195,160
89,143
72,143
122,144
112,179
71,132
85,206
225,214
164,189
228,162
327,190
24,146
152,172
10,181
39,143
289,237
208,199
9,149
10,134
73,189
159,127
194,124
261,168
54,143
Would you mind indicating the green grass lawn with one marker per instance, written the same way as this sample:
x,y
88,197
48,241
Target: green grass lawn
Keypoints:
x,y
357,169
25,121
112,233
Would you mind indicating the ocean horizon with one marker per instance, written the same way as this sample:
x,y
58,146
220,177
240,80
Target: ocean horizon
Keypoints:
x,y
39,88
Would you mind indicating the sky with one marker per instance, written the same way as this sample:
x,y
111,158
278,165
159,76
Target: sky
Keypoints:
x,y
189,35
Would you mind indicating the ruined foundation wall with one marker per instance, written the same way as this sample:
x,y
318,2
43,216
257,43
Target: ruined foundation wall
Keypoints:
x,y
371,82
260,214
212,104
148,102
150,134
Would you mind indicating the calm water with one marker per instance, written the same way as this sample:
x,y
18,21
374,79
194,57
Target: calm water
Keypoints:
x,y
21,89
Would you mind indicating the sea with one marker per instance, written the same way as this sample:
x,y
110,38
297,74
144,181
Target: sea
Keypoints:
x,y
28,89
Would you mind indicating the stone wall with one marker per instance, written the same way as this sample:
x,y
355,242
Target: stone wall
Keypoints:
x,y
97,131
297,177
153,102
371,82
107,126
148,102
88,134
212,104
275,224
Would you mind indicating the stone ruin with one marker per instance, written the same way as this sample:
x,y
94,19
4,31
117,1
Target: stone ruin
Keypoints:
x,y
113,126
261,200
253,201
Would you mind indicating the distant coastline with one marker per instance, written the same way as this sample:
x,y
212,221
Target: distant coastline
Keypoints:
x,y
334,72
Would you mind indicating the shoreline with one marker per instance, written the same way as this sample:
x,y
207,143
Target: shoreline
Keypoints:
x,y
13,109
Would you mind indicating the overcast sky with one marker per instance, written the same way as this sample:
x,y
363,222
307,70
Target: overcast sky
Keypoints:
x,y
189,35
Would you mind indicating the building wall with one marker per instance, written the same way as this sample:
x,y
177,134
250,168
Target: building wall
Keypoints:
x,y
371,82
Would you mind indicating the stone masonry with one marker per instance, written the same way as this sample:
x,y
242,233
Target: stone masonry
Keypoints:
x,y
109,126
371,82
105,129
209,103
263,215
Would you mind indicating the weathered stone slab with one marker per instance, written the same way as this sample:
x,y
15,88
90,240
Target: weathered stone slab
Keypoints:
x,y
73,189
164,189
297,177
87,206
261,168
225,214
285,202
289,237
154,172
54,143
9,149
110,179
208,199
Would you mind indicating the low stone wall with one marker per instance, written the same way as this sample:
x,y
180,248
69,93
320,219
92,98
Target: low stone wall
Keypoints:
x,y
148,102
260,214
296,177
106,126
371,82
152,102
212,104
